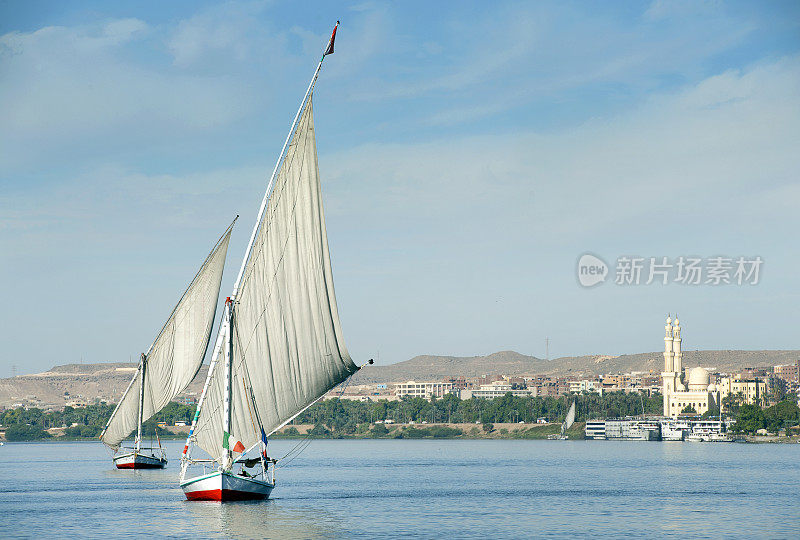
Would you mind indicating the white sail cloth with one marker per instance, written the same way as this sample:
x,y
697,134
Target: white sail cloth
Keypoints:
x,y
569,420
177,353
288,348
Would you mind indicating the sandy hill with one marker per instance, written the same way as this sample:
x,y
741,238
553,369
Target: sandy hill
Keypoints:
x,y
76,382
86,382
429,368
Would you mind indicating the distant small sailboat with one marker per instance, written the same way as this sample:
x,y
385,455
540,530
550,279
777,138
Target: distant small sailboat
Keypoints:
x,y
169,365
568,421
280,341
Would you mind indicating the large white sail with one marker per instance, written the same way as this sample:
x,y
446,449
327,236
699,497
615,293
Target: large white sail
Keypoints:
x,y
177,353
569,420
288,348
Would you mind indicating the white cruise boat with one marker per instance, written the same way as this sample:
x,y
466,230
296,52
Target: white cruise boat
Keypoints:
x,y
632,429
675,430
708,431
595,429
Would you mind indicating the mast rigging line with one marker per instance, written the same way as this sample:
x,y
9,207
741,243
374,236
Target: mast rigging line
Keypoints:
x,y
308,437
243,364
277,165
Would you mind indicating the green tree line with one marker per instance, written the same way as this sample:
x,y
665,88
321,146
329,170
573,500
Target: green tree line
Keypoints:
x,y
32,424
345,415
783,415
336,417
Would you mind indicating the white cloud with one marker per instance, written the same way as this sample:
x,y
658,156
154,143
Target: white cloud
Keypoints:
x,y
695,150
231,29
662,9
68,84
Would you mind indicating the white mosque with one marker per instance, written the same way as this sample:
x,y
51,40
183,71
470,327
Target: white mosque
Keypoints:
x,y
678,394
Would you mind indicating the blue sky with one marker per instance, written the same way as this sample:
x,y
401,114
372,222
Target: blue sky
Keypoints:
x,y
470,153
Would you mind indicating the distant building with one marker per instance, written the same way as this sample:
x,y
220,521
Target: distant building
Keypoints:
x,y
578,387
499,389
353,397
651,380
613,383
488,379
186,400
698,393
761,372
459,383
753,390
424,390
788,372
76,403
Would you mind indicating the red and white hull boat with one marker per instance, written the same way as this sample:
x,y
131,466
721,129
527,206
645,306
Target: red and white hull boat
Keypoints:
x,y
287,360
226,486
135,460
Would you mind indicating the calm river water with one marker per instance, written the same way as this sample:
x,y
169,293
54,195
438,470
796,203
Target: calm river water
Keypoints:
x,y
423,488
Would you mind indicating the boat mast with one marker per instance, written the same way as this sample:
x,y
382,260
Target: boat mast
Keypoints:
x,y
227,458
142,363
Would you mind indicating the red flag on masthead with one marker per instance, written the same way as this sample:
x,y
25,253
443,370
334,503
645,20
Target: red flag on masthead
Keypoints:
x,y
333,38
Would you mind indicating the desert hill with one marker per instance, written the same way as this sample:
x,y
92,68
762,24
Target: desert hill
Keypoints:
x,y
87,382
76,383
430,368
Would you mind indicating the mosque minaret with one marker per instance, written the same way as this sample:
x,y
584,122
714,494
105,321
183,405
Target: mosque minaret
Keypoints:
x,y
698,393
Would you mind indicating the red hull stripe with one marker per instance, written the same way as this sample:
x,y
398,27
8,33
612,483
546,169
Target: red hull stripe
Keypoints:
x,y
223,495
138,466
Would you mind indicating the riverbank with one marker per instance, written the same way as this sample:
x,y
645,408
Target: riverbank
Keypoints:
x,y
415,431
381,431
433,431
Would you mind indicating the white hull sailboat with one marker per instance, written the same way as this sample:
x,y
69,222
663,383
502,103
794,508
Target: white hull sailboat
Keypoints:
x,y
280,346
226,486
568,421
140,460
169,365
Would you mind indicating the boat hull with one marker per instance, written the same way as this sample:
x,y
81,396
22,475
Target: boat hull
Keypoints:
x,y
224,486
139,461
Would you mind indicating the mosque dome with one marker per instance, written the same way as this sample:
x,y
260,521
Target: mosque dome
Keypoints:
x,y
712,387
699,379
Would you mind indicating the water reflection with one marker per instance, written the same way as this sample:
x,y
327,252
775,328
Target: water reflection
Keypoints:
x,y
272,518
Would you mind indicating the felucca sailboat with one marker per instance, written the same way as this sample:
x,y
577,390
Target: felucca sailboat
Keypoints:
x,y
169,365
566,424
280,346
